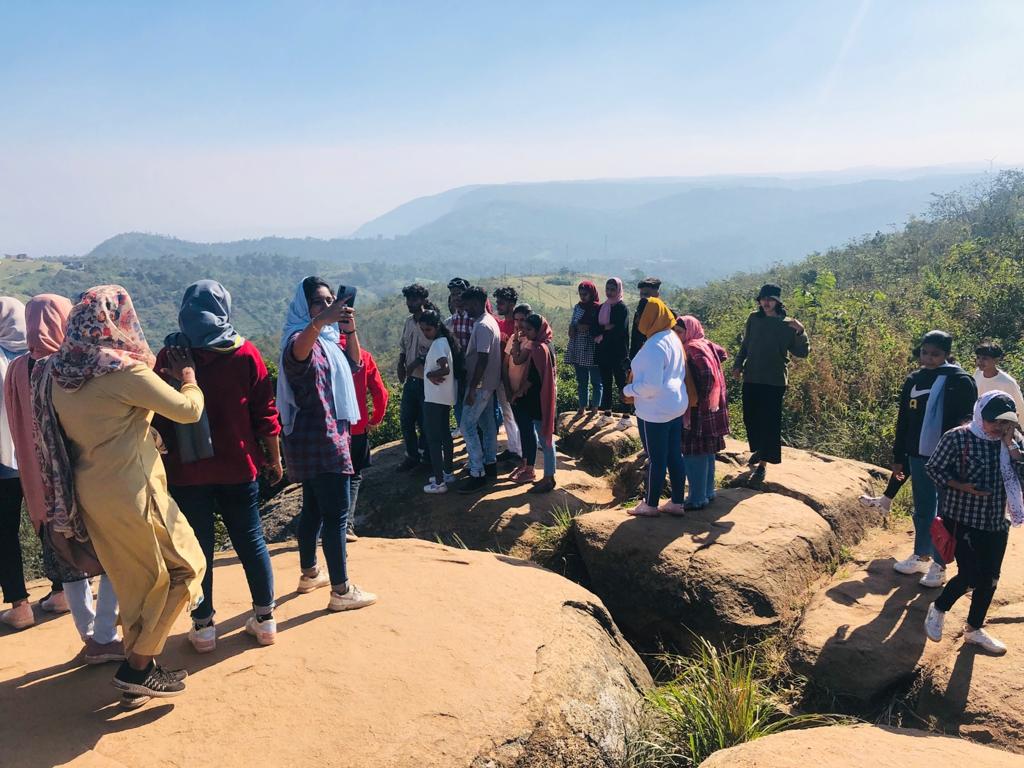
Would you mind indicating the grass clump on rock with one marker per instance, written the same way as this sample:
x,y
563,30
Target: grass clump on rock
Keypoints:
x,y
715,699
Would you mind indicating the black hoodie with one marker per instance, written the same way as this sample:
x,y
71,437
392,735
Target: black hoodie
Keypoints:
x,y
959,396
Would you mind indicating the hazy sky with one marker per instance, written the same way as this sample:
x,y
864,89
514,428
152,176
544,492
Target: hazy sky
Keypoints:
x,y
214,121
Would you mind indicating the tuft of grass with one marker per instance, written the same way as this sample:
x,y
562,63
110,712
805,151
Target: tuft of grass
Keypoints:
x,y
550,538
716,699
903,504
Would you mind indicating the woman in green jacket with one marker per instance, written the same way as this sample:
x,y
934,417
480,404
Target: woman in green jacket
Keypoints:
x,y
763,361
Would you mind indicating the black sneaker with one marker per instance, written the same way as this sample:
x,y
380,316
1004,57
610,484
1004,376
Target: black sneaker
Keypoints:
x,y
507,455
473,484
148,682
177,675
408,463
757,477
491,471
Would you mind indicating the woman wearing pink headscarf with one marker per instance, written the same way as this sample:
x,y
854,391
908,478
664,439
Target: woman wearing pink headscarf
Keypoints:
x,y
708,417
46,316
612,337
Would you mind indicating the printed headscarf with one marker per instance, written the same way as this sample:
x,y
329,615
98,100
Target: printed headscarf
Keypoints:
x,y
346,403
656,317
604,315
704,356
1007,470
592,307
12,345
103,336
205,319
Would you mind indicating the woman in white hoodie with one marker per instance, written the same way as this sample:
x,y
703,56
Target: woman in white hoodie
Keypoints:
x,y
658,390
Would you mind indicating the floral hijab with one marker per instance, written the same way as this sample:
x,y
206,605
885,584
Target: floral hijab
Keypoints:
x,y
103,336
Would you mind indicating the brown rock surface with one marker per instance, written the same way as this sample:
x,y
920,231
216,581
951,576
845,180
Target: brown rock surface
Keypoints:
x,y
862,634
741,565
469,659
977,696
827,484
392,504
858,746
599,447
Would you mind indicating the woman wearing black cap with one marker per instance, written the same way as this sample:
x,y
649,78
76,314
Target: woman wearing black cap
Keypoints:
x,y
763,361
937,397
979,469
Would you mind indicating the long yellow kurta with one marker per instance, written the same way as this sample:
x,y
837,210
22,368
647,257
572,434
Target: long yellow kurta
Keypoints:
x,y
143,541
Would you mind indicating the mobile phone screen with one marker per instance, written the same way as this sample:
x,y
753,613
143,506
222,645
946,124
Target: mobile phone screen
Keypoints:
x,y
347,295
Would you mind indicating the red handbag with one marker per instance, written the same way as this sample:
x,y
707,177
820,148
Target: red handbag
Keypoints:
x,y
944,541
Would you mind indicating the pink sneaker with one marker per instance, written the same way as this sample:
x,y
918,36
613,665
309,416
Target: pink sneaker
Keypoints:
x,y
526,476
18,617
55,602
101,653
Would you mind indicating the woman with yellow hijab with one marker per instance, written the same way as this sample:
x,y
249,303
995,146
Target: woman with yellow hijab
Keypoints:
x,y
658,390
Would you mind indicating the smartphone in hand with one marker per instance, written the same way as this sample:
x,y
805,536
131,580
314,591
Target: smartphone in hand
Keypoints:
x,y
347,295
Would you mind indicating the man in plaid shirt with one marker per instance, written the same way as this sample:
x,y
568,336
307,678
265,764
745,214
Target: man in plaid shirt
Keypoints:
x,y
461,326
978,470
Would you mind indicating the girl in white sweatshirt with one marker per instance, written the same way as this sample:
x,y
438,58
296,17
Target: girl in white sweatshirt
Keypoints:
x,y
658,390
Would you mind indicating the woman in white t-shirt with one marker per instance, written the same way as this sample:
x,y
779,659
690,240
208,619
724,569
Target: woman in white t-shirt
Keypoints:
x,y
439,392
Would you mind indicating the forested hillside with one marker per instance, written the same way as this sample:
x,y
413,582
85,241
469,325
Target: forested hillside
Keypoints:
x,y
865,305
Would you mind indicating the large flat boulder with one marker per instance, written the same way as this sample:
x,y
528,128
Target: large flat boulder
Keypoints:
x,y
827,484
857,746
738,567
469,659
862,634
977,696
393,505
600,446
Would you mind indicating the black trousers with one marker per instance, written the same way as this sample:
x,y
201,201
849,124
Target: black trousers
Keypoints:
x,y
12,574
440,447
762,416
614,370
979,559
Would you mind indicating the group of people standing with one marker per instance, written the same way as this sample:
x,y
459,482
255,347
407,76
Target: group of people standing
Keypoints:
x,y
125,458
487,368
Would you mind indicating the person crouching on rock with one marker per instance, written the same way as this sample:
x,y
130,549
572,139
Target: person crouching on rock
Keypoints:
x,y
316,397
978,469
99,389
534,401
439,395
708,424
935,398
213,465
658,390
763,363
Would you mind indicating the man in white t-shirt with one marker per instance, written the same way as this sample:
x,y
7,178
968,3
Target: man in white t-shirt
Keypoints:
x,y
483,377
990,376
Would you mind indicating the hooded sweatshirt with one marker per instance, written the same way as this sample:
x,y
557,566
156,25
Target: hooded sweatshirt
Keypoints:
x,y
958,394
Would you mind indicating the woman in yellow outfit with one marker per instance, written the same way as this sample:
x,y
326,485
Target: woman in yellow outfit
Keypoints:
x,y
101,389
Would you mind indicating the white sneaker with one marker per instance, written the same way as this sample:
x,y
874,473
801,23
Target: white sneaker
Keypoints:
x,y
604,421
354,598
433,487
933,623
203,640
935,577
985,640
309,583
881,502
624,423
265,632
912,565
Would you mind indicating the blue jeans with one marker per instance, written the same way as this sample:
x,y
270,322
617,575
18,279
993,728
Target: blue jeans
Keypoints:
x,y
589,377
700,475
238,506
325,501
460,395
410,416
664,450
482,446
926,501
529,432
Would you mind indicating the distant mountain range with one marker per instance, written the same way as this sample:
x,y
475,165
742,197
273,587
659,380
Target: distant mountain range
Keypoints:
x,y
686,230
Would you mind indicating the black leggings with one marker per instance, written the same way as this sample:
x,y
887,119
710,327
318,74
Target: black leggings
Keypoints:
x,y
979,559
616,371
762,416
12,574
437,428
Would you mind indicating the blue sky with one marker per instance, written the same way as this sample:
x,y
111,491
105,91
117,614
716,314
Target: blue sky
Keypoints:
x,y
224,120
